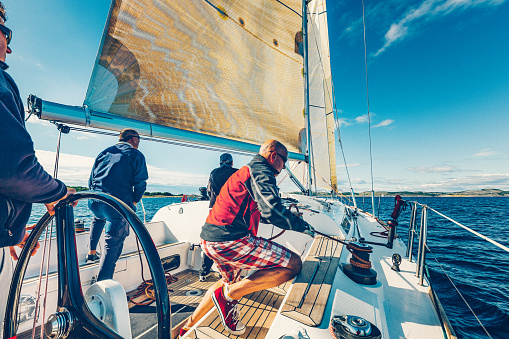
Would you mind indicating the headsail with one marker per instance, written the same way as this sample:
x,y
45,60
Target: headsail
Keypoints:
x,y
323,150
321,97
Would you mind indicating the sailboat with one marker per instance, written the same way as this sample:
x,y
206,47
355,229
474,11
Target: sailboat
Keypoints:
x,y
225,75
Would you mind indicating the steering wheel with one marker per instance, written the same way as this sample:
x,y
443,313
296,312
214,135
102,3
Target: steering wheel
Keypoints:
x,y
74,319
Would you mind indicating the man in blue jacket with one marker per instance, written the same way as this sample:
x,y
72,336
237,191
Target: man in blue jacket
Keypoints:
x,y
23,181
121,171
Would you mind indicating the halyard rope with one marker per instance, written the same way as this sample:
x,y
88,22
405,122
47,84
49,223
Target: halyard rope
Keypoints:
x,y
369,116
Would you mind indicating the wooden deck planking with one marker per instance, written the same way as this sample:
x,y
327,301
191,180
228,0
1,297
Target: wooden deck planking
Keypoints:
x,y
187,281
257,311
311,312
258,315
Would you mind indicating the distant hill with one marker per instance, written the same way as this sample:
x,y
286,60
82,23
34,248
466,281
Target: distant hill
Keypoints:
x,y
146,194
486,192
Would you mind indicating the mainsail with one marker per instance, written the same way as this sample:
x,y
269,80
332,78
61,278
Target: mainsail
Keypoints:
x,y
224,68
219,68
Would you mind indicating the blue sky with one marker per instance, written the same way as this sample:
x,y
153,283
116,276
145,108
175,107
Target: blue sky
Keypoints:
x,y
438,91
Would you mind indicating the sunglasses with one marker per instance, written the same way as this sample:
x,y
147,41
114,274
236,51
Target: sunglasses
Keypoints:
x,y
7,32
285,159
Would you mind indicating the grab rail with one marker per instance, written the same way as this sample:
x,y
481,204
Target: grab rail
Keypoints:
x,y
421,253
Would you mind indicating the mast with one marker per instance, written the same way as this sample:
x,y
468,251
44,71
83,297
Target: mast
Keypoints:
x,y
306,90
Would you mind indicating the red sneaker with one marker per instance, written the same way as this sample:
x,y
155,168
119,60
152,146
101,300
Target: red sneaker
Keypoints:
x,y
182,332
229,313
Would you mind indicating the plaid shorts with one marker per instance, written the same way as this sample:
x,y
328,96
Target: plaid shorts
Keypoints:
x,y
245,253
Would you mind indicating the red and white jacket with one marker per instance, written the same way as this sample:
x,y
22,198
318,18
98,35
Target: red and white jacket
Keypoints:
x,y
249,195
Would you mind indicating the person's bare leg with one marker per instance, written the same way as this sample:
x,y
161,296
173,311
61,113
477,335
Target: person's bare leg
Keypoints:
x,y
205,305
260,280
263,279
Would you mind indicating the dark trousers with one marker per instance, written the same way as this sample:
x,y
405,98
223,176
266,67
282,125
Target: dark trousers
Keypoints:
x,y
116,230
207,263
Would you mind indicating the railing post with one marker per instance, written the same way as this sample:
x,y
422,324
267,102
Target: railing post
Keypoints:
x,y
411,232
424,238
419,250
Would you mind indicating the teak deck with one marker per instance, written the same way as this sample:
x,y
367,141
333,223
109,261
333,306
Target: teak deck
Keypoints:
x,y
322,261
257,309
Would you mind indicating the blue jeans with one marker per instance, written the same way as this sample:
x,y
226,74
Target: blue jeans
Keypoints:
x,y
117,229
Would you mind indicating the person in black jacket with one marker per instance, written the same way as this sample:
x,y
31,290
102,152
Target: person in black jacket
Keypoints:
x,y
216,181
119,170
23,181
229,237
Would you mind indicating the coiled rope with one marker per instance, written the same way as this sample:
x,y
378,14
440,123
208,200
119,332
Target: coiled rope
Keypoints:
x,y
360,255
146,288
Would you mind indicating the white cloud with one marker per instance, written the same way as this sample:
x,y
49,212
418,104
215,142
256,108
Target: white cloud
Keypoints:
x,y
36,121
478,181
75,170
72,169
487,152
349,165
427,11
384,123
343,122
436,169
163,177
362,118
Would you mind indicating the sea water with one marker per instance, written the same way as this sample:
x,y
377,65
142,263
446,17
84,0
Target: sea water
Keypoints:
x,y
478,269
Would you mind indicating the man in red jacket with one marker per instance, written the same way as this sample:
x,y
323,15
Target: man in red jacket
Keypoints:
x,y
229,237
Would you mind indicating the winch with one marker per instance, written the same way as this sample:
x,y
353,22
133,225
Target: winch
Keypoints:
x,y
353,327
359,269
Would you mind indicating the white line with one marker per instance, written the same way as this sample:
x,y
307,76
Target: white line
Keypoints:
x,y
472,231
150,329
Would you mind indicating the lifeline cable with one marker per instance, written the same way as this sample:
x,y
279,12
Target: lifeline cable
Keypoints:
x,y
461,295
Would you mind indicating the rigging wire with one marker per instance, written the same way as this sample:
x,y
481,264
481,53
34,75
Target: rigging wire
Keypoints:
x,y
295,164
369,116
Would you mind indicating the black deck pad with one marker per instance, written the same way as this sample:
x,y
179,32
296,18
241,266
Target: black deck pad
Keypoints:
x,y
144,318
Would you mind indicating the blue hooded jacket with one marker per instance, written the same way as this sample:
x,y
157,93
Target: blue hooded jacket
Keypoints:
x,y
121,171
23,181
